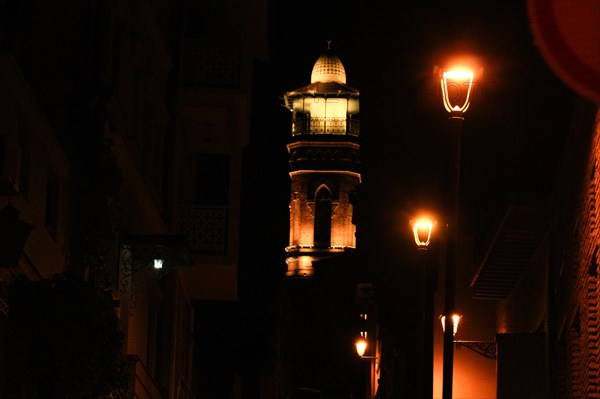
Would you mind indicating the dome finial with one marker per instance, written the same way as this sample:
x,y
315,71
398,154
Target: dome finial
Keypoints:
x,y
328,68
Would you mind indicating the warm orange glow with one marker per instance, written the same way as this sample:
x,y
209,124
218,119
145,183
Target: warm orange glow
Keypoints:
x,y
361,345
302,208
300,266
422,229
474,376
457,87
455,321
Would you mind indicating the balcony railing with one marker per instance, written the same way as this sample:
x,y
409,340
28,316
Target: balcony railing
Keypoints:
x,y
211,63
312,125
205,227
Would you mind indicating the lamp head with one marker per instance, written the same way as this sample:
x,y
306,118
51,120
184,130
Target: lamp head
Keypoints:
x,y
159,258
361,345
158,263
422,228
457,87
455,318
458,81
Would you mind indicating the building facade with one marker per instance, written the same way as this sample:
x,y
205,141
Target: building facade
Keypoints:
x,y
541,271
123,125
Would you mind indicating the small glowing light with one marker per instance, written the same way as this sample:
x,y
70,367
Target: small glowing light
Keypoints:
x,y
422,229
455,320
158,263
361,344
457,87
459,74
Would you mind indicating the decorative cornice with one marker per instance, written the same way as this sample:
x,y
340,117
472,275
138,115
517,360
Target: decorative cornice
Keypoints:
x,y
326,171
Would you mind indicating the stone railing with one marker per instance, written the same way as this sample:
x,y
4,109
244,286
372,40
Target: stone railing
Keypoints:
x,y
312,125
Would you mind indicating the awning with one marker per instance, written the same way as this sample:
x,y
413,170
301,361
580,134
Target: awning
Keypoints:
x,y
511,249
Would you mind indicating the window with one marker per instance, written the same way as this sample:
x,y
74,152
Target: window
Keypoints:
x,y
205,221
322,217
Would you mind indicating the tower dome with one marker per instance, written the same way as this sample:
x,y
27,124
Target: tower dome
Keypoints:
x,y
328,68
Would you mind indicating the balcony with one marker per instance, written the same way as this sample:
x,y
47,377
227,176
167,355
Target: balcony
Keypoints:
x,y
205,228
211,64
510,251
313,125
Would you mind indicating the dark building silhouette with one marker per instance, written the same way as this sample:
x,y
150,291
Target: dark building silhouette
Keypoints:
x,y
123,131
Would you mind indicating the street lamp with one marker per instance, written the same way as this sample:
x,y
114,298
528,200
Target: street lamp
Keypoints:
x,y
150,258
422,228
159,258
457,83
455,320
362,342
457,87
361,345
484,348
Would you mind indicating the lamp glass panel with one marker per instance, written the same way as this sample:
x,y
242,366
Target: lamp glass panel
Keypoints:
x,y
457,87
361,346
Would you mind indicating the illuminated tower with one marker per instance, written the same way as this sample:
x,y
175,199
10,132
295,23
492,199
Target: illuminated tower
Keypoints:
x,y
324,163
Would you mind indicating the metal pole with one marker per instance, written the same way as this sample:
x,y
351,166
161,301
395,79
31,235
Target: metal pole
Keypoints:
x,y
422,340
452,258
427,324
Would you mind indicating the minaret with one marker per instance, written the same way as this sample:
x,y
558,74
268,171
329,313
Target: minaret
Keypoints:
x,y
324,163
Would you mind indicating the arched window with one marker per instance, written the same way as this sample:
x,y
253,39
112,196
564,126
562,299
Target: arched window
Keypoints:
x,y
322,217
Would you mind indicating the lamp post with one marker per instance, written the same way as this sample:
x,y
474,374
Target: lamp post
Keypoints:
x,y
484,348
362,344
422,228
457,88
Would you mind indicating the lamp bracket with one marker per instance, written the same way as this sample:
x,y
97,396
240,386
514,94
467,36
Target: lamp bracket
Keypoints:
x,y
136,272
484,348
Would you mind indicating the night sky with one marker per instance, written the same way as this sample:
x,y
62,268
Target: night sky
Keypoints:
x,y
511,141
513,132
512,137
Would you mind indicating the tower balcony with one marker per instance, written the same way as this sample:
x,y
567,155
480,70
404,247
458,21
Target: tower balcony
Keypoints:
x,y
325,125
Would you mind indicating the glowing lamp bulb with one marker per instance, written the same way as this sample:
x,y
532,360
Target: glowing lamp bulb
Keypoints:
x,y
361,346
422,229
457,87
455,320
158,263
